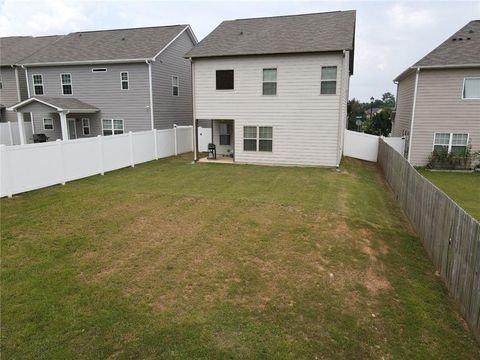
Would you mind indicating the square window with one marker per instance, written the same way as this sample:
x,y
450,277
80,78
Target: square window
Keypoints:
x,y
224,80
471,88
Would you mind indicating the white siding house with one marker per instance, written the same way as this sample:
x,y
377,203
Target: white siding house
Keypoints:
x,y
275,111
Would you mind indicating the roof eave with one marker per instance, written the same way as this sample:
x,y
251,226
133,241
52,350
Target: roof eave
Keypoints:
x,y
451,66
87,62
187,56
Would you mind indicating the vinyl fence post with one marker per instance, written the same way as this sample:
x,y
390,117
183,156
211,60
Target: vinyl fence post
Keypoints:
x,y
132,158
10,132
62,162
175,136
8,182
155,143
100,155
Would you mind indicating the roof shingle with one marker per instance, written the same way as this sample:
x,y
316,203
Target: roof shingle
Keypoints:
x,y
13,49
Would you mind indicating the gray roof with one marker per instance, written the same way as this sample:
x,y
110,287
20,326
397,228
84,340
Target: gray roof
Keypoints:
x,y
66,103
330,31
105,45
16,48
460,49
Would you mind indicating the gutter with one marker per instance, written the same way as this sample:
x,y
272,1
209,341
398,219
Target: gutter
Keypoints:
x,y
149,63
412,123
88,62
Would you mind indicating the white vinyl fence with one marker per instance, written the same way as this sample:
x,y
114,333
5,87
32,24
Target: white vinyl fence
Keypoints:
x,y
10,135
365,146
34,166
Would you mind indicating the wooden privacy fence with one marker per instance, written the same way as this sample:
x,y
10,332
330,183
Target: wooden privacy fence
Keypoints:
x,y
450,235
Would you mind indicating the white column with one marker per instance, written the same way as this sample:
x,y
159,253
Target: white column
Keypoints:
x,y
63,124
21,128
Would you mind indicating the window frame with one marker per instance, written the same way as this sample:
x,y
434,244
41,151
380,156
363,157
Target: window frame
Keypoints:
x,y
463,87
228,126
450,139
265,139
328,80
113,127
34,85
258,138
62,84
43,122
233,80
99,70
88,126
250,138
124,81
270,82
177,86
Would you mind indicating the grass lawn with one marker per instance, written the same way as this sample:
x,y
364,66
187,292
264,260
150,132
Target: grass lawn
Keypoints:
x,y
463,188
173,260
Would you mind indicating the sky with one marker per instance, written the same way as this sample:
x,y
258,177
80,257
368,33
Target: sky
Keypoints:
x,y
390,35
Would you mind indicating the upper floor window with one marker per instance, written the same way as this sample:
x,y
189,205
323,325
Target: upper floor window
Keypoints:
x,y
450,142
269,82
471,88
328,84
224,79
66,84
124,80
175,84
37,84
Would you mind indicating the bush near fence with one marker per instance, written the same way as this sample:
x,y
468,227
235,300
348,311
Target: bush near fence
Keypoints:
x,y
450,236
34,166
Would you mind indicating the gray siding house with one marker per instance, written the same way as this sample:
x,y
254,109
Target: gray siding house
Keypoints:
x,y
13,82
110,82
274,90
438,98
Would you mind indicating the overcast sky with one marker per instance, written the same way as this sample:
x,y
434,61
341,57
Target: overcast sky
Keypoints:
x,y
390,35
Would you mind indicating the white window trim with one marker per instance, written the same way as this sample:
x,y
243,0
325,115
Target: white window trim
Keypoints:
x,y
450,139
89,129
178,85
53,126
463,88
99,70
122,81
270,82
71,83
113,129
336,80
257,139
33,83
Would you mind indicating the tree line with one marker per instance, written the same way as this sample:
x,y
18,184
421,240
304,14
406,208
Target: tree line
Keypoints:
x,y
373,117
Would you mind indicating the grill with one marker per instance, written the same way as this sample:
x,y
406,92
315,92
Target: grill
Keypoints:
x,y
212,151
39,138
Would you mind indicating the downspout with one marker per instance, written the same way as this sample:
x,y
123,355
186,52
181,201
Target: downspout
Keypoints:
x,y
19,96
151,91
413,115
340,121
28,96
195,131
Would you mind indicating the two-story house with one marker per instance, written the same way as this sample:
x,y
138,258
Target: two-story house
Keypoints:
x,y
109,82
275,89
438,98
13,82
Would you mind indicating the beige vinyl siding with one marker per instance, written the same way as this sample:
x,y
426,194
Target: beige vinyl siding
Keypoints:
x,y
405,94
168,109
305,124
440,108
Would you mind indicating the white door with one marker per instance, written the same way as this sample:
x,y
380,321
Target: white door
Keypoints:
x,y
204,138
72,131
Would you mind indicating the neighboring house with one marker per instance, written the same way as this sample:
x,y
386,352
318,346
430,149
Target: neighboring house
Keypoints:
x,y
110,82
438,98
275,89
13,82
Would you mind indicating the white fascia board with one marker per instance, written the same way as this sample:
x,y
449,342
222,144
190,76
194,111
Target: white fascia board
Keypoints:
x,y
88,62
187,28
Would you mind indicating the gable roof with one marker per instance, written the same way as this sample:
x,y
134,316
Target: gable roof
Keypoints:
x,y
13,49
320,32
59,104
460,49
118,45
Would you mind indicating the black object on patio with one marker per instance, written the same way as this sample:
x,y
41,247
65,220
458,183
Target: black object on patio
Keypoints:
x,y
212,151
39,138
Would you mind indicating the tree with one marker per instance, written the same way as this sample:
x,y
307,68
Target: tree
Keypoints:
x,y
388,100
354,109
380,124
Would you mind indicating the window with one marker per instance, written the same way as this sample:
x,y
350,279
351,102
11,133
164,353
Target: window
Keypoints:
x,y
97,70
47,124
37,84
86,126
112,127
450,142
124,80
224,79
265,138
66,84
328,84
1,83
224,132
250,138
175,85
269,82
471,88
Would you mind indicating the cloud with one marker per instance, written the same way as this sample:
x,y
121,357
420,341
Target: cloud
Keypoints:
x,y
410,18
